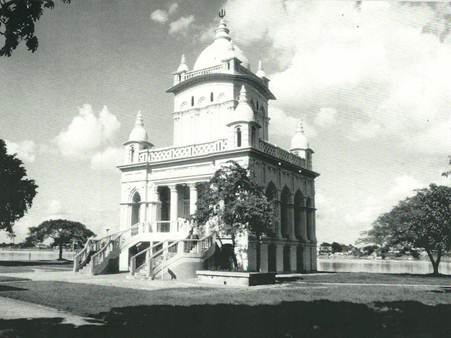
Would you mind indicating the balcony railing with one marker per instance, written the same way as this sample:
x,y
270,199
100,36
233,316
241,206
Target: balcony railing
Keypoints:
x,y
173,153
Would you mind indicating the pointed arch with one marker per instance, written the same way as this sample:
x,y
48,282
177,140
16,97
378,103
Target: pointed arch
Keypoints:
x,y
285,197
298,209
136,204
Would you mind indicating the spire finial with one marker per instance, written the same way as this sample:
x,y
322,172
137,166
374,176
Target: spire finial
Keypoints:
x,y
300,126
260,65
260,72
139,119
243,94
183,60
222,31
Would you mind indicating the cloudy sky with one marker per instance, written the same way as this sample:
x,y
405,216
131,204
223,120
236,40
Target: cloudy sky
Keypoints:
x,y
371,80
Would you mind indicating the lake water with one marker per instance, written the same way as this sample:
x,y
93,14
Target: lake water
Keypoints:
x,y
380,266
33,255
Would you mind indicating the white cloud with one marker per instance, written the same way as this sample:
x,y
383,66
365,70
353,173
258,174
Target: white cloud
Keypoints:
x,y
173,8
55,210
159,15
363,130
181,25
107,159
375,59
326,117
87,133
25,150
283,126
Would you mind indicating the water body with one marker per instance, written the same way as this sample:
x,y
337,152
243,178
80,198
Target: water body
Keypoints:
x,y
380,266
33,255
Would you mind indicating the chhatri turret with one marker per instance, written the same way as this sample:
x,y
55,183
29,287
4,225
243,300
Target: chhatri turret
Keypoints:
x,y
300,145
243,125
137,140
206,96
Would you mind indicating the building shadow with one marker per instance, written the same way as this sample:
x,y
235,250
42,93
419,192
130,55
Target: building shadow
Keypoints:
x,y
288,319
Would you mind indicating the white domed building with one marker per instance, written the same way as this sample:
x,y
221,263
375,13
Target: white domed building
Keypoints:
x,y
220,114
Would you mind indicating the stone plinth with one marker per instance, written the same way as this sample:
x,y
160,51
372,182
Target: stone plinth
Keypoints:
x,y
234,278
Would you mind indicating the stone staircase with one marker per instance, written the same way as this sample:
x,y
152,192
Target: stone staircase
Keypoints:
x,y
173,259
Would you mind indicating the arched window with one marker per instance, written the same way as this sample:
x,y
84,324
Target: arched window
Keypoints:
x,y
298,210
132,153
136,202
257,105
211,97
238,136
192,101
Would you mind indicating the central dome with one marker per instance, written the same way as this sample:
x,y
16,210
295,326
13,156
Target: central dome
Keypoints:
x,y
221,49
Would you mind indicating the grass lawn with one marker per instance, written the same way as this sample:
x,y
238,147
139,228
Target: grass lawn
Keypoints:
x,y
298,309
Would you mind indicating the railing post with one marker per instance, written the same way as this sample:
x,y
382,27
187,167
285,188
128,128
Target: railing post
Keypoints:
x,y
132,266
149,263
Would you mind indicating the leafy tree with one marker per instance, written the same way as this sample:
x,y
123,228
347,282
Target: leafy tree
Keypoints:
x,y
421,221
17,20
62,232
236,204
336,247
16,190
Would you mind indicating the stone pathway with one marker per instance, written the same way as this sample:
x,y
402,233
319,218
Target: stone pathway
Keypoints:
x,y
17,309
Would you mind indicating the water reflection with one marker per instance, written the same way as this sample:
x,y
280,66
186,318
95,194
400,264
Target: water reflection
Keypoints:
x,y
33,255
380,266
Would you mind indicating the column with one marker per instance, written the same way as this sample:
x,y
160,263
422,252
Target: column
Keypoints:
x,y
264,257
304,221
279,257
293,258
154,208
278,226
173,207
192,198
307,258
290,218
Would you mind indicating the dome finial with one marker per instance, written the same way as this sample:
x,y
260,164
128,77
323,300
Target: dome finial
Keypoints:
x,y
260,72
222,31
300,126
183,67
243,94
139,119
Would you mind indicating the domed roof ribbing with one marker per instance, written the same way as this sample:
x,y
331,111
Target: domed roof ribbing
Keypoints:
x,y
299,140
221,49
138,133
243,111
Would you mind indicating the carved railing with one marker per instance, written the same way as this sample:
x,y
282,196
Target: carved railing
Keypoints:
x,y
172,153
214,69
280,153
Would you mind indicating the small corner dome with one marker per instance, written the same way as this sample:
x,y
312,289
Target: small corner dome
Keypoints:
x,y
299,141
138,133
243,111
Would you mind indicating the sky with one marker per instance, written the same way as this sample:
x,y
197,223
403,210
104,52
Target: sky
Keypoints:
x,y
370,79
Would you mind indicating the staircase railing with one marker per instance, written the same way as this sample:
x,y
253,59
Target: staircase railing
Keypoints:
x,y
93,245
101,258
156,261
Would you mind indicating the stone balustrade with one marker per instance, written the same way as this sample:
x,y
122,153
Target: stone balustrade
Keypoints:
x,y
174,153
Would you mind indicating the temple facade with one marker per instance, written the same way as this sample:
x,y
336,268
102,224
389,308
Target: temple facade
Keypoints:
x,y
220,114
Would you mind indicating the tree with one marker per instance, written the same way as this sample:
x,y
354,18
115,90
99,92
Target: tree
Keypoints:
x,y
61,232
421,221
16,190
17,22
236,204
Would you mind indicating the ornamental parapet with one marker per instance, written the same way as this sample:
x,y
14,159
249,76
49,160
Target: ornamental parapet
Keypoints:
x,y
217,146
